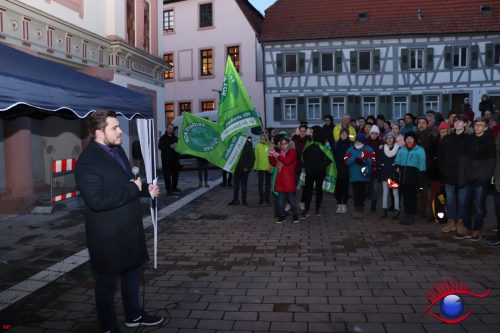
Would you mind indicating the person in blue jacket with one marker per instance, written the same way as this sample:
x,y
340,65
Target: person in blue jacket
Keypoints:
x,y
360,159
410,163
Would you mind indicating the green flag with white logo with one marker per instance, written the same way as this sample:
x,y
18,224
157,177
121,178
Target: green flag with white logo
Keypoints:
x,y
200,137
236,111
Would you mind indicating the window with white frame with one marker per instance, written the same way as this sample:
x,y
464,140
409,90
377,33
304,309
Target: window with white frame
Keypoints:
x,y
168,20
431,102
326,62
400,106
417,59
291,63
365,60
369,106
460,56
338,108
313,108
290,111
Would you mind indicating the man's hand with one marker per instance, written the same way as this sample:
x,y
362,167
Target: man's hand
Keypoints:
x,y
154,190
138,182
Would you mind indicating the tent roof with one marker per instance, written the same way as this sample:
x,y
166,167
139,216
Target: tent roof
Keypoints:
x,y
33,82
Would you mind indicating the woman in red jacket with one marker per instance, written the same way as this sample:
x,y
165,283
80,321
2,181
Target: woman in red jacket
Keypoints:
x,y
285,184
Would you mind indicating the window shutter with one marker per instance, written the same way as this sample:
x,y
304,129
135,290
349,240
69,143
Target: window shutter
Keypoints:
x,y
353,106
474,59
315,61
416,105
445,104
404,59
386,106
301,110
302,62
279,64
376,60
325,107
447,57
354,61
429,61
338,61
278,113
489,54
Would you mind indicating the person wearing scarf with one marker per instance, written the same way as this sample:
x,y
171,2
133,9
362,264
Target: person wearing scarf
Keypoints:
x,y
410,163
360,159
342,182
385,159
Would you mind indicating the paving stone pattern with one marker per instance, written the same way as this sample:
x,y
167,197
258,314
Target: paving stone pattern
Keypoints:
x,y
232,269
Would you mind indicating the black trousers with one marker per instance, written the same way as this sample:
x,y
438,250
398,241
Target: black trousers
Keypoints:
x,y
264,184
410,199
359,193
202,170
227,177
313,181
171,175
342,190
240,178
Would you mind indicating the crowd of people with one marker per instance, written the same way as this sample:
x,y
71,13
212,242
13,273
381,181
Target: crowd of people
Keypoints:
x,y
407,164
400,168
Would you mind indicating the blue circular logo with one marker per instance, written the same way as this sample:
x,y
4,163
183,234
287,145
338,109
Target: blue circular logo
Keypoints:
x,y
452,306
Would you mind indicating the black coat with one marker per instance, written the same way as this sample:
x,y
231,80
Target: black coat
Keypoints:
x,y
169,157
452,159
247,159
481,158
113,217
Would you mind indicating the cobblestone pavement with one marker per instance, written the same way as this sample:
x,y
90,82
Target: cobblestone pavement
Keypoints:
x,y
232,269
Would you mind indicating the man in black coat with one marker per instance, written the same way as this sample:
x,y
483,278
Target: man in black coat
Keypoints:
x,y
241,173
113,222
170,159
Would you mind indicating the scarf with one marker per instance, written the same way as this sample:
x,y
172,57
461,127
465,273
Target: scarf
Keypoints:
x,y
411,147
391,152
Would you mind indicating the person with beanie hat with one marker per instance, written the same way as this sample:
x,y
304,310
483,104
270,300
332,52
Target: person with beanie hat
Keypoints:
x,y
376,144
410,163
342,184
385,158
360,160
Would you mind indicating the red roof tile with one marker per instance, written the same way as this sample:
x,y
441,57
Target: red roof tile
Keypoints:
x,y
289,20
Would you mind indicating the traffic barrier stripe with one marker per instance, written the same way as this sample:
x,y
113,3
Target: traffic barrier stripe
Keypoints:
x,y
64,196
63,165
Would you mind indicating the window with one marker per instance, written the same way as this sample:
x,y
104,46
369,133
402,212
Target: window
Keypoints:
x,y
497,54
290,63
326,62
206,18
290,112
338,108
417,59
207,106
460,56
369,106
400,107
206,63
365,60
169,112
313,108
431,102
169,61
234,53
168,20
185,107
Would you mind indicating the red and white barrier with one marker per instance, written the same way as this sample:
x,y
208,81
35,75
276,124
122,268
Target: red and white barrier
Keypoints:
x,y
63,165
64,196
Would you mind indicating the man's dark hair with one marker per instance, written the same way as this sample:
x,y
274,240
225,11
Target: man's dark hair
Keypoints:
x,y
318,135
303,126
97,121
359,118
381,117
371,120
328,116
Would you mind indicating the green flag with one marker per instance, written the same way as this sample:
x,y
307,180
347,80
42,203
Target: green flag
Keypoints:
x,y
331,171
236,111
200,137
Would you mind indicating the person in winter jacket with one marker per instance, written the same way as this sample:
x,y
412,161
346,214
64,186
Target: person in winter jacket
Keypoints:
x,y
360,159
300,140
385,159
373,140
342,185
425,140
410,163
241,172
495,240
453,166
345,123
481,158
263,168
286,163
314,162
328,129
409,124
485,105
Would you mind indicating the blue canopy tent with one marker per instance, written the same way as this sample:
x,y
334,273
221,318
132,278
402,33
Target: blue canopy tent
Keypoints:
x,y
36,84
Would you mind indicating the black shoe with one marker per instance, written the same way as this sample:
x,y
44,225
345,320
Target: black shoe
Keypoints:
x,y
234,202
223,184
395,215
261,201
268,201
373,207
244,202
495,240
383,216
114,330
176,190
145,320
229,185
